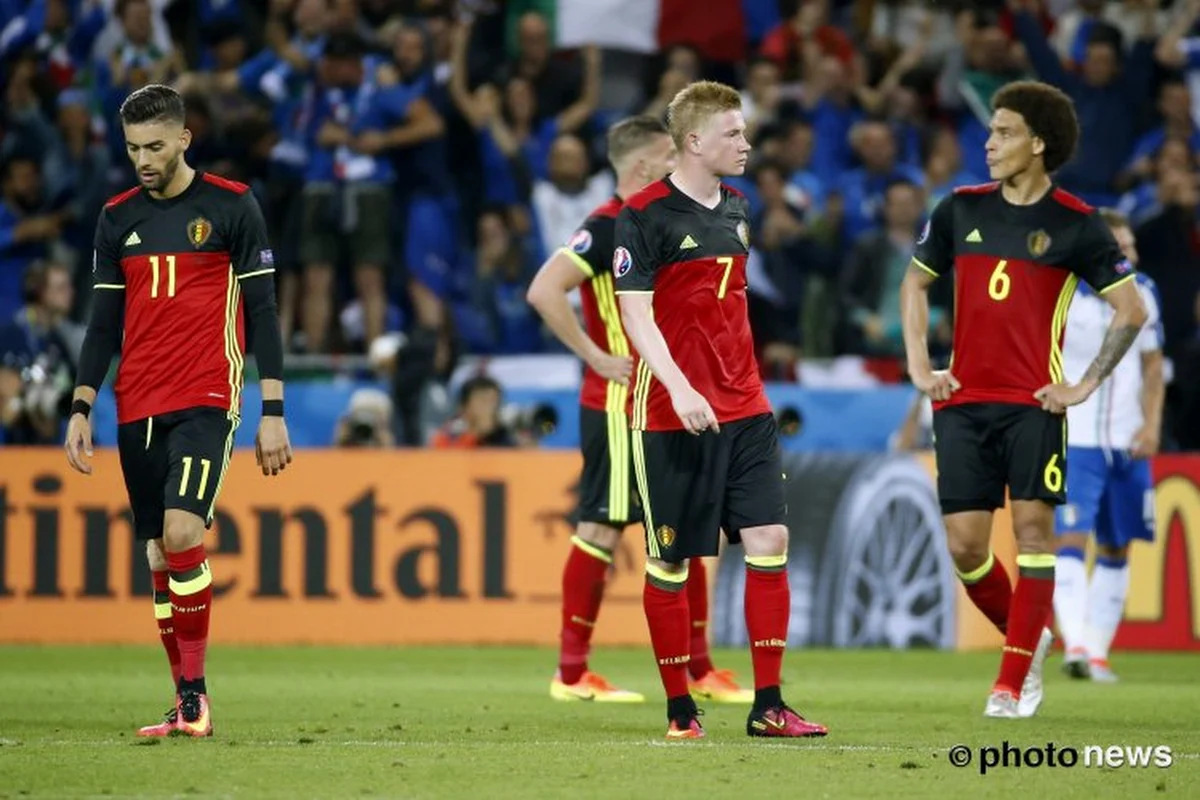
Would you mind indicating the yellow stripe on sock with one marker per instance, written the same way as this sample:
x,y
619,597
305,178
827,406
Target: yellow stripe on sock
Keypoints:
x,y
592,550
767,562
1036,560
162,610
668,577
977,574
196,584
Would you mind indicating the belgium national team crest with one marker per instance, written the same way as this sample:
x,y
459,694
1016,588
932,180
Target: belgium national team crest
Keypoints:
x,y
743,232
666,535
1039,243
198,231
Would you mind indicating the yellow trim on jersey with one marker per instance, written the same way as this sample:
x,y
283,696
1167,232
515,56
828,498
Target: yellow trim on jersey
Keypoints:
x,y
233,352
635,291
234,421
579,261
109,286
1059,321
924,266
267,271
618,465
639,468
641,395
1112,286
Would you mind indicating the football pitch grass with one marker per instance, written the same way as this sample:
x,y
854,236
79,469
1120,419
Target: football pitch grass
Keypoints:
x,y
478,722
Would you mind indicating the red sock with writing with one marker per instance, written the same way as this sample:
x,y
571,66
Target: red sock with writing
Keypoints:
x,y
1032,604
583,580
191,604
666,606
768,602
700,663
166,628
990,590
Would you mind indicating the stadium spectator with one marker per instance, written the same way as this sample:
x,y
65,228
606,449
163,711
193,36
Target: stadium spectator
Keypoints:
x,y
478,422
28,226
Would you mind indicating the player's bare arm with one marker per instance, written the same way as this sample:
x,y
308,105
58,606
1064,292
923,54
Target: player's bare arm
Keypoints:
x,y
1146,441
914,313
1128,318
694,411
557,278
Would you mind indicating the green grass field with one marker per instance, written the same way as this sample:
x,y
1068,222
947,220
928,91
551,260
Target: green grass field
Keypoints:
x,y
422,723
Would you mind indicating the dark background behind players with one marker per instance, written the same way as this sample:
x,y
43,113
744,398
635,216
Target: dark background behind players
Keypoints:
x,y
920,67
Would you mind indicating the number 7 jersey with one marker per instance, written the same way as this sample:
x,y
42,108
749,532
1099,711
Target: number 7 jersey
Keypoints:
x,y
179,262
1015,272
693,260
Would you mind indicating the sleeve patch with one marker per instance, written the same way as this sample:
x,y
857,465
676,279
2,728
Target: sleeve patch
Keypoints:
x,y
581,242
622,262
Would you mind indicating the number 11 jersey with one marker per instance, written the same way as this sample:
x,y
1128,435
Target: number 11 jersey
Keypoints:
x,y
1015,273
179,261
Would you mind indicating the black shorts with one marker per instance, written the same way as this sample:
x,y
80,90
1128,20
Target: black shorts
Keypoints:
x,y
176,460
352,221
982,448
694,486
607,491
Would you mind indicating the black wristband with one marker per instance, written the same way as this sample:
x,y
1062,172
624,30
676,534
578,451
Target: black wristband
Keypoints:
x,y
81,407
272,408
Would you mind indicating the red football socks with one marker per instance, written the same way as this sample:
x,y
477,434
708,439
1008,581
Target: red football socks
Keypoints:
x,y
190,585
665,601
990,590
166,629
700,663
1032,604
768,606
583,582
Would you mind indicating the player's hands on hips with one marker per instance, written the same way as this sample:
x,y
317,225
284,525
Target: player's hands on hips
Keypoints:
x,y
938,385
694,411
272,450
1145,442
79,443
1058,397
613,368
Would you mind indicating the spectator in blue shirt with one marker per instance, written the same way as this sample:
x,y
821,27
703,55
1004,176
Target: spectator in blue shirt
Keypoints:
x,y
347,196
1108,96
26,227
1175,110
496,319
863,189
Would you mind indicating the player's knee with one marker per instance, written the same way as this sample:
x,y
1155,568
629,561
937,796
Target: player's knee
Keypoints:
x,y
766,540
603,536
182,531
1033,536
658,565
968,552
155,555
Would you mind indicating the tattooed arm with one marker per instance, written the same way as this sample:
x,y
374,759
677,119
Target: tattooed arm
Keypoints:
x,y
1127,321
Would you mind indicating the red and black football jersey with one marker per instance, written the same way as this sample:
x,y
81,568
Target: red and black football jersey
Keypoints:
x,y
693,259
179,261
1015,273
591,248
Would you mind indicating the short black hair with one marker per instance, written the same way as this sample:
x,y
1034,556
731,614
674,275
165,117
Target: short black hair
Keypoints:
x,y
1048,112
153,103
477,383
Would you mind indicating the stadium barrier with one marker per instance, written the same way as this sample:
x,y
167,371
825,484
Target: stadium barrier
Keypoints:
x,y
409,547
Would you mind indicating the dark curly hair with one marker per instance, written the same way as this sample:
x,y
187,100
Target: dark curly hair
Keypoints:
x,y
1048,112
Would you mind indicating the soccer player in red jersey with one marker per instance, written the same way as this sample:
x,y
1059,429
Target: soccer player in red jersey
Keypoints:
x,y
705,443
184,259
641,152
1018,247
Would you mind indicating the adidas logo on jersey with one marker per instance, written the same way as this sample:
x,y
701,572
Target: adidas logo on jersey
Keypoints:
x,y
688,243
133,239
974,236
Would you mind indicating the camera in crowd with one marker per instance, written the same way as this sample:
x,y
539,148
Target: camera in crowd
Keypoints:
x,y
532,423
367,421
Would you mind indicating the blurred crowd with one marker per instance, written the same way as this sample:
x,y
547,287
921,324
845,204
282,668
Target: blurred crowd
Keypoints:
x,y
416,160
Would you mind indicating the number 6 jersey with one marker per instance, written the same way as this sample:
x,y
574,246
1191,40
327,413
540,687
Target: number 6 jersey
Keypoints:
x,y
180,263
1015,273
